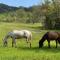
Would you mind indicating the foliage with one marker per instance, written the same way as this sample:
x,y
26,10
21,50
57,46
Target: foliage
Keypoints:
x,y
52,14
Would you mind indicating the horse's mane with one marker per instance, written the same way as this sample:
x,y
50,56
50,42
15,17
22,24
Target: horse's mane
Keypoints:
x,y
45,36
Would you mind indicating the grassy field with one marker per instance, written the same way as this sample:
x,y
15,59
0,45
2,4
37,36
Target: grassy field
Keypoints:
x,y
23,52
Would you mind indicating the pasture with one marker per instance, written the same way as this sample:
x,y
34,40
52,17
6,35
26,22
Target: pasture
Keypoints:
x,y
23,52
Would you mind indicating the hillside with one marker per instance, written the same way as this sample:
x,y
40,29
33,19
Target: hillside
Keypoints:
x,y
20,14
6,8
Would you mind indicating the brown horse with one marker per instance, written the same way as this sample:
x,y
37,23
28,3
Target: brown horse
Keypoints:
x,y
50,36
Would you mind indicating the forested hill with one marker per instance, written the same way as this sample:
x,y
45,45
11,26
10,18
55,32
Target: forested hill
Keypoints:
x,y
6,8
16,14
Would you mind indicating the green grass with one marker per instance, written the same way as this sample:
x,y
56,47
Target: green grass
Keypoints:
x,y
23,52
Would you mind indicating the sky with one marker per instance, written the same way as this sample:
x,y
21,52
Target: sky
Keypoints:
x,y
17,3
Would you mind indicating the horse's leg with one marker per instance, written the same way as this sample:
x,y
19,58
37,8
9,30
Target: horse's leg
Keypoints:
x,y
13,42
48,44
30,38
28,42
56,43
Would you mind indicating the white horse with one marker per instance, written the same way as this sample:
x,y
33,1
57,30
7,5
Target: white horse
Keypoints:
x,y
17,34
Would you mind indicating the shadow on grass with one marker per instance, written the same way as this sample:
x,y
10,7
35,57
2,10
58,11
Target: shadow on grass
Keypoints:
x,y
43,49
52,49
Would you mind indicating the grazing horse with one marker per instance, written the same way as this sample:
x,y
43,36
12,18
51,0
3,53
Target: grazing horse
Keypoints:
x,y
17,34
50,36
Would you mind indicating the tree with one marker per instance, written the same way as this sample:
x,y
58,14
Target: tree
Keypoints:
x,y
56,4
51,9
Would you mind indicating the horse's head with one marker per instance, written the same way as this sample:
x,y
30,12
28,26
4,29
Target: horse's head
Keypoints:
x,y
45,36
4,42
40,44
